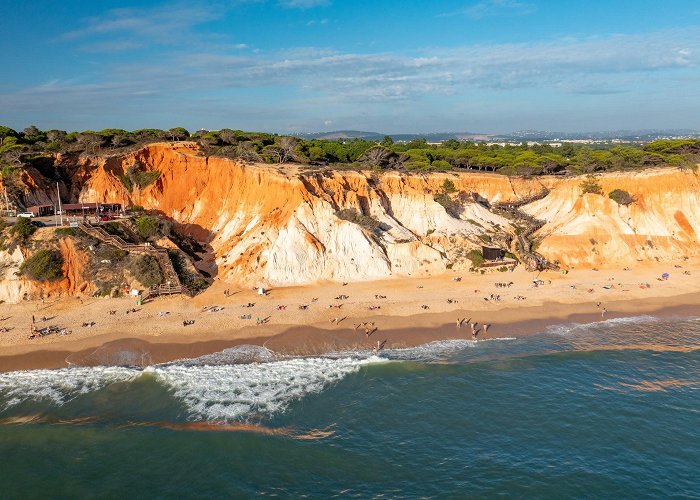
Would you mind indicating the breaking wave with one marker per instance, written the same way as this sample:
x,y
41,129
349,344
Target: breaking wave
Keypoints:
x,y
215,387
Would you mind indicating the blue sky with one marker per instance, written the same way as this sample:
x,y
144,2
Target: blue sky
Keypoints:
x,y
385,65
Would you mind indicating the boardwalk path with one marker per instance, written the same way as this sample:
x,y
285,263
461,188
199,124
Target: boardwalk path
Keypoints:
x,y
172,281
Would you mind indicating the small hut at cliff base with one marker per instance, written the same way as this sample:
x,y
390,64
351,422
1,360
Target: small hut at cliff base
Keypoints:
x,y
491,253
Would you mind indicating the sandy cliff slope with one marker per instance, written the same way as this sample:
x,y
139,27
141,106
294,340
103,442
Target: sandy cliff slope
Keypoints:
x,y
594,231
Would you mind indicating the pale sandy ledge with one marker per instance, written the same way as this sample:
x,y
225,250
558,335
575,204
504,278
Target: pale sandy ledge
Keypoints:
x,y
156,328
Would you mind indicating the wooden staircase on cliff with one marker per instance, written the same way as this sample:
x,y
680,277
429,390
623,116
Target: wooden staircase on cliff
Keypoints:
x,y
522,245
172,283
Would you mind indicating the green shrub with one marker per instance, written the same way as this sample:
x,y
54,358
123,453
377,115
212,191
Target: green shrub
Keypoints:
x,y
23,229
144,179
590,185
135,176
621,197
198,284
45,265
443,199
146,270
476,257
448,186
365,221
126,182
103,291
148,226
61,232
108,252
191,279
452,207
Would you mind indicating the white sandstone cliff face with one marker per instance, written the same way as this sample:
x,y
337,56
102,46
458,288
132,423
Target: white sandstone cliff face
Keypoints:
x,y
12,287
315,244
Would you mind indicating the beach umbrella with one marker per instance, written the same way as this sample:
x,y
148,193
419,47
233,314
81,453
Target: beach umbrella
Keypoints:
x,y
665,276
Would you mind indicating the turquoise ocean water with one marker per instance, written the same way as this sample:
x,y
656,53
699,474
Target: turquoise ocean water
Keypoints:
x,y
604,410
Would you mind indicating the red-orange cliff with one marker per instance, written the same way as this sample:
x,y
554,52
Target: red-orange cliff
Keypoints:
x,y
262,224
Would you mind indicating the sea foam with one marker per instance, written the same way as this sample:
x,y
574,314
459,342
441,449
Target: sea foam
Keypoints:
x,y
607,323
209,388
58,386
235,392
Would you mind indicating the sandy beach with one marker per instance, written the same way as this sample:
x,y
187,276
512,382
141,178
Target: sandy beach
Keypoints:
x,y
337,317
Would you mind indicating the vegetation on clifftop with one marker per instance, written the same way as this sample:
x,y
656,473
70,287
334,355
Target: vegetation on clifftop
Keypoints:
x,y
18,149
23,229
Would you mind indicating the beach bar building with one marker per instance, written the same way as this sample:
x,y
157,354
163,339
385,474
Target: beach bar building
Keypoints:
x,y
41,210
91,208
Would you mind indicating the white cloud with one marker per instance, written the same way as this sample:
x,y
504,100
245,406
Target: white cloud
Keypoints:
x,y
488,8
303,4
603,64
164,23
596,66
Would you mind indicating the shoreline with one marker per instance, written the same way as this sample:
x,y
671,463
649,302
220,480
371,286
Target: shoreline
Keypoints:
x,y
318,338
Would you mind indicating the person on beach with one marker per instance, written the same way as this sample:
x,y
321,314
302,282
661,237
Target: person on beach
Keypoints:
x,y
380,345
602,313
486,328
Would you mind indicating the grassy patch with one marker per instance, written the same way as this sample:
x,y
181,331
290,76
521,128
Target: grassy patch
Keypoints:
x,y
476,257
135,176
108,252
146,270
62,232
621,197
365,221
45,265
148,226
590,185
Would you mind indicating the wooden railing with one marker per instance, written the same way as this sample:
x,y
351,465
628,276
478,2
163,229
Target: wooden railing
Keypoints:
x,y
172,281
522,246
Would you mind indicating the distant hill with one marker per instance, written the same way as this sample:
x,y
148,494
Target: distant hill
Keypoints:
x,y
342,134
